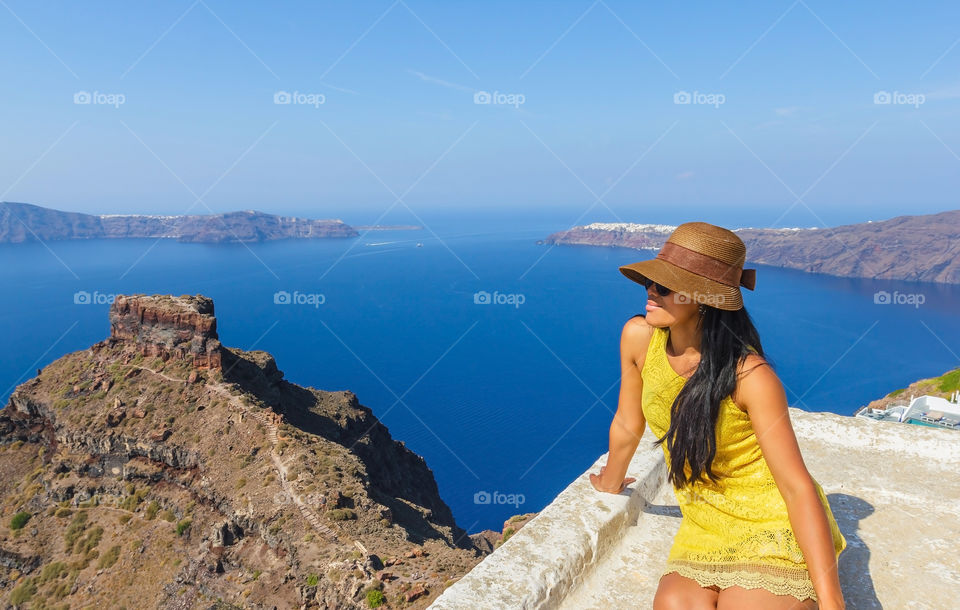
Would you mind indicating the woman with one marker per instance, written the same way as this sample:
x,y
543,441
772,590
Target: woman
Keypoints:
x,y
757,531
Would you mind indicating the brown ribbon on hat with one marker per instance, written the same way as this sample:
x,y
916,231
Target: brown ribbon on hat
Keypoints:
x,y
707,266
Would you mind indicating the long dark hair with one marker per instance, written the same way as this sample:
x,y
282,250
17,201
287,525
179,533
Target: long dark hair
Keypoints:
x,y
725,338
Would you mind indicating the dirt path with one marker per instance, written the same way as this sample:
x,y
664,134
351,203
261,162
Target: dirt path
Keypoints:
x,y
271,422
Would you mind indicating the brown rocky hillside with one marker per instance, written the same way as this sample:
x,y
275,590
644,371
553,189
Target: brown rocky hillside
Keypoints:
x,y
159,469
923,248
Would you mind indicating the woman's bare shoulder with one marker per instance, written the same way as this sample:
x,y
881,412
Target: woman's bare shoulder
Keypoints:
x,y
751,363
754,374
636,339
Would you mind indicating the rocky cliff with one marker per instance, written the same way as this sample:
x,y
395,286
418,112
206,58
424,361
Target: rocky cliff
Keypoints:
x,y
159,468
21,222
916,248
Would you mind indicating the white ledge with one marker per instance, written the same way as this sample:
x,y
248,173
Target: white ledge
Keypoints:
x,y
892,488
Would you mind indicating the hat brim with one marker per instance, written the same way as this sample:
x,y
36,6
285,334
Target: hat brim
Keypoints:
x,y
695,287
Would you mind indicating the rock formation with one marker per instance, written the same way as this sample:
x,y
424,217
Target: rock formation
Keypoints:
x,y
159,465
181,327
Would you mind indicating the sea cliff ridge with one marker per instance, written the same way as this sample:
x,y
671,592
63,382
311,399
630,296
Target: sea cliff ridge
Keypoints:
x,y
922,248
160,465
24,222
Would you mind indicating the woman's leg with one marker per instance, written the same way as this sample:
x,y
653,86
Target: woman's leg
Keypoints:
x,y
677,592
738,598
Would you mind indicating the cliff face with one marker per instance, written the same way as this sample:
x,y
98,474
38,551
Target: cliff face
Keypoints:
x,y
21,222
170,327
916,248
160,465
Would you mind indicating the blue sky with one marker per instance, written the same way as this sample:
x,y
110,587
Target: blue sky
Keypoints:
x,y
782,116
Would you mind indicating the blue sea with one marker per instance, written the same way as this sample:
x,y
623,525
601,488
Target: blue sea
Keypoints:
x,y
493,357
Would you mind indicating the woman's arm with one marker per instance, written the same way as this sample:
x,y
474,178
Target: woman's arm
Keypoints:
x,y
761,393
628,422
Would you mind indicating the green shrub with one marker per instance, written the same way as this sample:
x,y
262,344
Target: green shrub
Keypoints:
x,y
341,514
52,571
152,510
109,558
312,580
183,526
375,598
130,503
23,593
90,542
19,520
75,530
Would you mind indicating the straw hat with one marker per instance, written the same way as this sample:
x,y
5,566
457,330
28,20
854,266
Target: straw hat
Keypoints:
x,y
701,263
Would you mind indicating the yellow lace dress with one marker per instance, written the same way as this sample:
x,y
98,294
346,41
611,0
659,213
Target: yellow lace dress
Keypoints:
x,y
736,531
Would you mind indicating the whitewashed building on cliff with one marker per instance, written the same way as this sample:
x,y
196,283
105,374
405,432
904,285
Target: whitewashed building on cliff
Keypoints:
x,y
923,410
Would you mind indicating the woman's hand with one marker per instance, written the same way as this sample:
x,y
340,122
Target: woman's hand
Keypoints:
x,y
595,480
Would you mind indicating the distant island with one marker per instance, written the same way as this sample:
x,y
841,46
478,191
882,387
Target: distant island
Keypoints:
x,y
24,222
916,248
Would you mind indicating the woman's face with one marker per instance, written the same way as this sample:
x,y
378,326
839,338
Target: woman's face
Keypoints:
x,y
669,310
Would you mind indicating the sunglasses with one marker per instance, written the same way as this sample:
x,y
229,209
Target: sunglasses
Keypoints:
x,y
661,289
